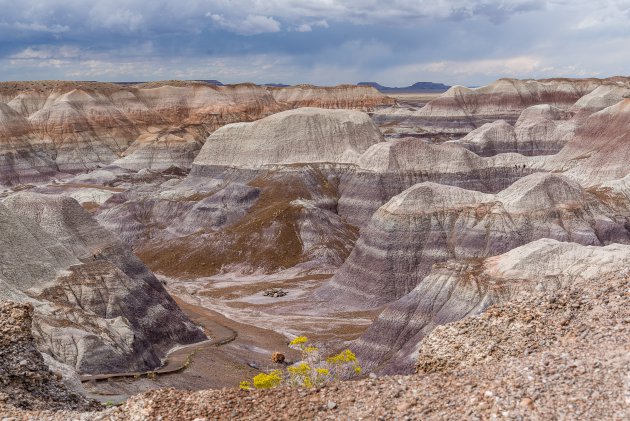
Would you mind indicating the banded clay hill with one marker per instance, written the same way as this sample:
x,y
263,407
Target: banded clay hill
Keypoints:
x,y
54,128
161,241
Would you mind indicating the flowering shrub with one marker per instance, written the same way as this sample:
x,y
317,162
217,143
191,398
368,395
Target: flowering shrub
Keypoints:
x,y
345,361
301,375
299,340
267,381
311,371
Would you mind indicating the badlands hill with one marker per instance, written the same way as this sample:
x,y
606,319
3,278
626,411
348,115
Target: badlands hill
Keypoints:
x,y
600,149
261,195
430,223
461,109
540,130
544,129
54,128
389,168
97,307
305,135
343,96
457,289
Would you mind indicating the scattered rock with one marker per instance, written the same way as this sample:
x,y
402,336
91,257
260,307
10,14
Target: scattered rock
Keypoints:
x,y
278,358
275,293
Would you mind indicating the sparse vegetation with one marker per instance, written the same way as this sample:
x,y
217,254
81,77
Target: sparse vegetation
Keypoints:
x,y
311,371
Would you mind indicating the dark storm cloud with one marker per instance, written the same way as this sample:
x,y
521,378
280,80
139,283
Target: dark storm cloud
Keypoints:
x,y
319,41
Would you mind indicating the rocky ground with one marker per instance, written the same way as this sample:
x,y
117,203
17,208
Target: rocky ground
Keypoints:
x,y
563,355
26,382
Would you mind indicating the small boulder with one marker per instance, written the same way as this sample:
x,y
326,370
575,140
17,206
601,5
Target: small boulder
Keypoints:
x,y
278,358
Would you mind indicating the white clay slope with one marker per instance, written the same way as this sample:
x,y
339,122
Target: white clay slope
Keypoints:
x,y
295,136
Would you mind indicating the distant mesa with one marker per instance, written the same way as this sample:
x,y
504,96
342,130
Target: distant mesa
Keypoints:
x,y
418,87
211,82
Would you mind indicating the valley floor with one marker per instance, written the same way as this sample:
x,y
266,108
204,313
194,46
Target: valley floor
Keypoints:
x,y
240,346
570,360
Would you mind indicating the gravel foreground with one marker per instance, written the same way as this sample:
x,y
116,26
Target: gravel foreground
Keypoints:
x,y
564,356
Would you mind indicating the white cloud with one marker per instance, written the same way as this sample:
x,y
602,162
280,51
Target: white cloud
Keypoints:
x,y
248,16
38,27
125,20
602,14
510,66
484,70
250,25
308,27
47,52
390,41
255,68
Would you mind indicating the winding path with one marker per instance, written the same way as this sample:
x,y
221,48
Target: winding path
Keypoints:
x,y
179,358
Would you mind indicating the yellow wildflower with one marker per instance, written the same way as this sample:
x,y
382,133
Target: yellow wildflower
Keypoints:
x,y
323,371
307,382
346,356
299,340
301,369
267,381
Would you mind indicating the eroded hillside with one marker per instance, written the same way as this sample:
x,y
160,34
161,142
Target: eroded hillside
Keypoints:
x,y
487,232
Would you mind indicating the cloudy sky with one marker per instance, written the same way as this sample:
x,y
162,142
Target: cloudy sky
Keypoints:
x,y
394,42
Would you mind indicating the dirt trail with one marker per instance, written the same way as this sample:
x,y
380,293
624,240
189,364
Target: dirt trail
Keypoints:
x,y
235,352
179,358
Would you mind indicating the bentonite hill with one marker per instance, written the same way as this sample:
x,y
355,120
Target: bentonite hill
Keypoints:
x,y
163,242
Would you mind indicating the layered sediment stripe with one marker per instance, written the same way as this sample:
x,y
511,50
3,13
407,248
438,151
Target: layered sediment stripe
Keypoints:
x,y
98,308
461,109
70,127
430,223
457,289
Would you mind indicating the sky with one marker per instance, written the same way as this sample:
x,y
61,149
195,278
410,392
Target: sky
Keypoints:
x,y
323,42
